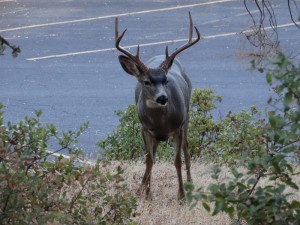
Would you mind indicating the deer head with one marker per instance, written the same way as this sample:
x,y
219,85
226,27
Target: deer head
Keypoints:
x,y
152,80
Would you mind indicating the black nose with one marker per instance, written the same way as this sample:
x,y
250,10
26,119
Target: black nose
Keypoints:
x,y
162,100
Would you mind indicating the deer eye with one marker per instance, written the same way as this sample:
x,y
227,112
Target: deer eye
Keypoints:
x,y
147,83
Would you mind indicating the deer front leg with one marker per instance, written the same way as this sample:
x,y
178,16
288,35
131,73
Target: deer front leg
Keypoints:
x,y
186,152
150,148
178,163
187,158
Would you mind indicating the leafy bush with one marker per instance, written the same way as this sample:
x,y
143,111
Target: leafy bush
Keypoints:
x,y
239,135
37,187
203,130
126,141
221,141
276,161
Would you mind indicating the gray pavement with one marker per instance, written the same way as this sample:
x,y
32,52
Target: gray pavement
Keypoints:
x,y
68,69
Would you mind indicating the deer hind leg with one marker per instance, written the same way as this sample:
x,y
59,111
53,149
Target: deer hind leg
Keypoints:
x,y
150,148
177,162
186,152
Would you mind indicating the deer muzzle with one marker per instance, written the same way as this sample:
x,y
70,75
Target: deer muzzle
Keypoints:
x,y
162,100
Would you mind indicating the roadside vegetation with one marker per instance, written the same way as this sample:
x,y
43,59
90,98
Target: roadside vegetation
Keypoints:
x,y
37,187
245,168
274,159
254,160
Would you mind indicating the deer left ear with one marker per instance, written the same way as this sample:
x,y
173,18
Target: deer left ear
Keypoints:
x,y
129,66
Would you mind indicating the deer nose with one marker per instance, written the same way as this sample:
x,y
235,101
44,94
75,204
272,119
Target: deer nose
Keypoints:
x,y
162,100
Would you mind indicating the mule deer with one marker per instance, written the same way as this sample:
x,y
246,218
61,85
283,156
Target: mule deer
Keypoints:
x,y
162,96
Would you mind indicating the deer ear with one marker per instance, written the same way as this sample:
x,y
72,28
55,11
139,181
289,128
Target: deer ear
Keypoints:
x,y
129,66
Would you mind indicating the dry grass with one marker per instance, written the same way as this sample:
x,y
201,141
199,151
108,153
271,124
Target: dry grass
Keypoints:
x,y
164,208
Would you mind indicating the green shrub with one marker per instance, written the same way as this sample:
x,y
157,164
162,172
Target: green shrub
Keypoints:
x,y
239,135
37,187
221,141
203,130
243,197
126,142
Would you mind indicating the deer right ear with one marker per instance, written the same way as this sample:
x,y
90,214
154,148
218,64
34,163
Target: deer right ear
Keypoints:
x,y
129,66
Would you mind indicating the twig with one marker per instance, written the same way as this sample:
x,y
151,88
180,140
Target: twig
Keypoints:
x,y
254,186
291,14
76,197
16,49
51,153
5,205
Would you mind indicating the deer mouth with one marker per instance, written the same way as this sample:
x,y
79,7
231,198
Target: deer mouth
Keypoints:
x,y
162,104
154,104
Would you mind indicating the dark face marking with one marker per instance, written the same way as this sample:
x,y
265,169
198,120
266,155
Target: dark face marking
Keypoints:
x,y
154,86
157,77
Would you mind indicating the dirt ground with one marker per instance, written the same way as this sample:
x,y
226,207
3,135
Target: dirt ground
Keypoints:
x,y
164,208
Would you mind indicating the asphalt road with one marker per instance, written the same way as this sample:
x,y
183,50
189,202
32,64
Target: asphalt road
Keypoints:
x,y
69,69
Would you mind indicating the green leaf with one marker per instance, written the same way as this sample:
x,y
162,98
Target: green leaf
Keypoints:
x,y
206,206
189,197
289,149
235,173
219,206
38,113
277,121
251,181
230,212
290,183
269,78
189,186
295,204
272,121
287,99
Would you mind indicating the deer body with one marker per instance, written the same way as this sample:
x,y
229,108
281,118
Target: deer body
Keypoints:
x,y
163,120
162,96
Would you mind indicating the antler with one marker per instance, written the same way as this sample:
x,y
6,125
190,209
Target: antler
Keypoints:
x,y
169,59
136,58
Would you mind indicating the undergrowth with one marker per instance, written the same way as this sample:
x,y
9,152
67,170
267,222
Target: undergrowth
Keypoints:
x,y
38,187
218,141
276,159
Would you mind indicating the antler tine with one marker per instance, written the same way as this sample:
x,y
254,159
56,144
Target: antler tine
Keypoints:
x,y
138,51
191,28
169,59
135,58
116,28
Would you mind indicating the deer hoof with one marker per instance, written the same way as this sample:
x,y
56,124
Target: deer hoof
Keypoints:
x,y
149,196
147,191
181,196
140,190
190,180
